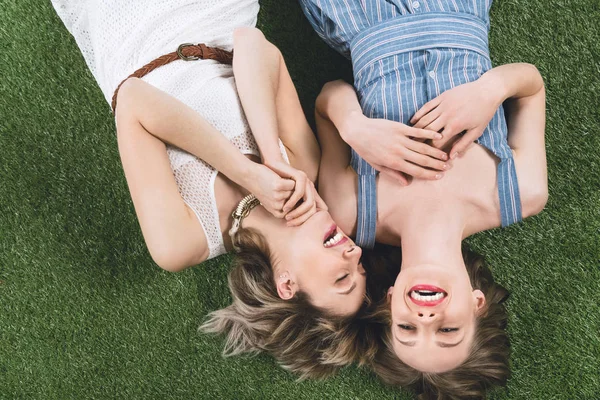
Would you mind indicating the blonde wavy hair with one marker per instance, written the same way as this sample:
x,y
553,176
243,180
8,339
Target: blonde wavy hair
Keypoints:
x,y
304,339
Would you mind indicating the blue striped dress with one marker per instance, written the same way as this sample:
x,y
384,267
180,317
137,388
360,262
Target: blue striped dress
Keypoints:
x,y
405,53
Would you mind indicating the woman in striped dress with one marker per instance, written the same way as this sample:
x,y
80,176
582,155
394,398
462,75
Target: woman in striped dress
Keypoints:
x,y
424,64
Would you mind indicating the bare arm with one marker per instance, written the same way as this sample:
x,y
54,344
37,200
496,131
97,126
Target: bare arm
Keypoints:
x,y
271,102
161,115
526,115
273,110
335,153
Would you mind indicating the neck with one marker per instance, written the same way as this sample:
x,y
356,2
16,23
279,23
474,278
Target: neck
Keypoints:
x,y
262,221
271,228
431,236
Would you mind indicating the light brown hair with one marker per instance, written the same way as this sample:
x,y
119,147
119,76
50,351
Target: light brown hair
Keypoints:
x,y
487,364
303,338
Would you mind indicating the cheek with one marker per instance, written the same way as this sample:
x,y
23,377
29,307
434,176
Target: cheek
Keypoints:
x,y
464,309
398,307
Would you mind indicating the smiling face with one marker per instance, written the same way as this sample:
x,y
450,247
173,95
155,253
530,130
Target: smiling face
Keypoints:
x,y
434,312
318,259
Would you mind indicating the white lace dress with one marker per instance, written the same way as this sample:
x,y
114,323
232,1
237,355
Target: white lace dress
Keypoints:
x,y
116,37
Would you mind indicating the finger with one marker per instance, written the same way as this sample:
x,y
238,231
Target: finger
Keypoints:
x,y
427,150
427,107
420,172
437,125
426,161
299,189
276,213
287,185
300,210
395,175
422,133
283,195
449,131
463,143
309,202
428,119
302,218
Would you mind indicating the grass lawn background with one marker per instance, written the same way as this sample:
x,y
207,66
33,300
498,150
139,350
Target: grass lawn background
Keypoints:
x,y
84,313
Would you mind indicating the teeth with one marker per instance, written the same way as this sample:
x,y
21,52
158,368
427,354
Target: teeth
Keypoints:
x,y
417,296
334,240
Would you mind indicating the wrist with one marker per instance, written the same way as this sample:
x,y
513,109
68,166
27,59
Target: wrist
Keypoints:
x,y
347,125
493,84
269,150
272,159
248,175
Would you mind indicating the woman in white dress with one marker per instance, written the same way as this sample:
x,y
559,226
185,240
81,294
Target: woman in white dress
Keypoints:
x,y
297,273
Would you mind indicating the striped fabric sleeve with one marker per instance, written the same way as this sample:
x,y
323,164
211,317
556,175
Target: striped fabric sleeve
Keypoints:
x,y
315,17
508,192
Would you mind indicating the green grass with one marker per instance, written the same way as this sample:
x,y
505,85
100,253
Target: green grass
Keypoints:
x,y
84,313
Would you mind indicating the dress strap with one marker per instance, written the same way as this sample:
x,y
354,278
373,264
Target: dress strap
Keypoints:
x,y
508,192
366,224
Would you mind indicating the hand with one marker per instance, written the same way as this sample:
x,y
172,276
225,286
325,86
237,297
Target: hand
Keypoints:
x,y
394,148
270,189
466,108
297,213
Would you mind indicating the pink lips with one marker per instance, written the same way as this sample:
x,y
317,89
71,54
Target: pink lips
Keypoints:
x,y
330,231
429,288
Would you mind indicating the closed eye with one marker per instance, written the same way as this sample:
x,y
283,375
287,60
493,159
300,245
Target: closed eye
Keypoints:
x,y
342,278
406,327
448,330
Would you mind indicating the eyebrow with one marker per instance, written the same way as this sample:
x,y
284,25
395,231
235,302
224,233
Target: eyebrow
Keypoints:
x,y
412,343
409,344
349,290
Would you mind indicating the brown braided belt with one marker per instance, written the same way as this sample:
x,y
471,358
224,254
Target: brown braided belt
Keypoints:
x,y
185,52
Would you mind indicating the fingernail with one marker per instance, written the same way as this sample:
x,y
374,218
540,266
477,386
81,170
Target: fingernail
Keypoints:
x,y
454,155
438,136
439,176
445,156
445,166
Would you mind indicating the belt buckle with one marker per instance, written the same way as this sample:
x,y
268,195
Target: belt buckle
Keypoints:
x,y
183,56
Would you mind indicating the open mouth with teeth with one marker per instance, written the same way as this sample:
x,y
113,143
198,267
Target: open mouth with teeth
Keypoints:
x,y
333,237
427,295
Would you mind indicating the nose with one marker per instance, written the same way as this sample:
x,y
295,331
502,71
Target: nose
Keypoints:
x,y
426,316
353,253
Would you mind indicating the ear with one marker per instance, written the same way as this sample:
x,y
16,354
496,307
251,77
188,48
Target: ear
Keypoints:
x,y
388,296
286,288
480,303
